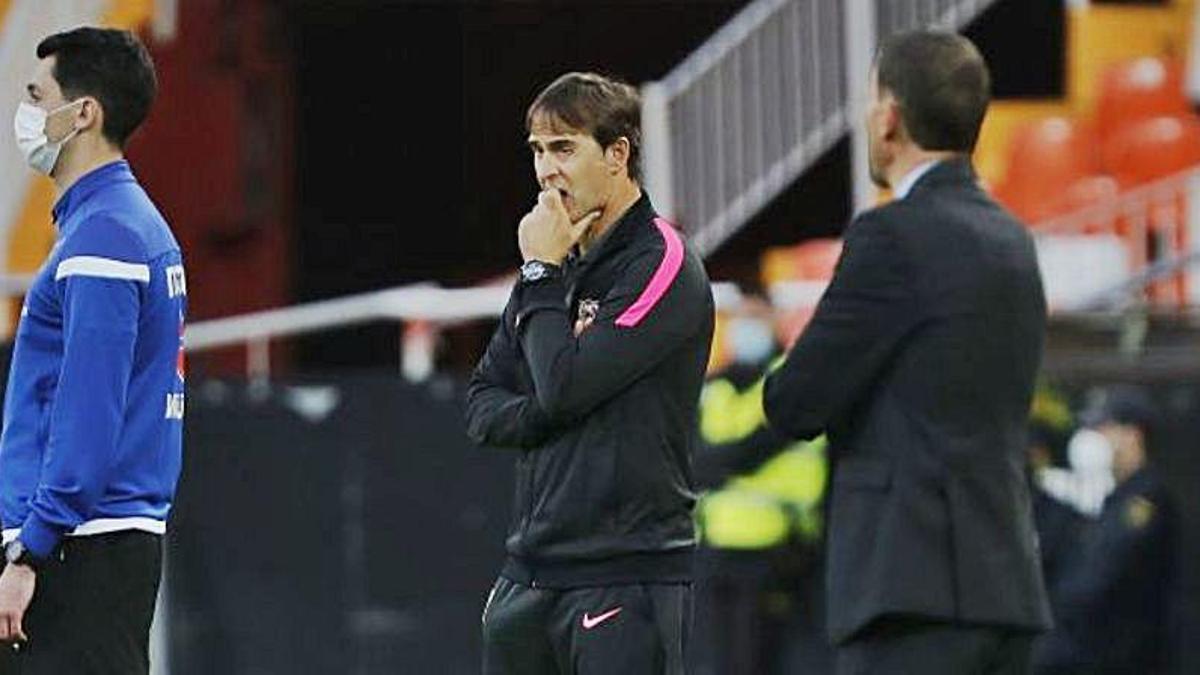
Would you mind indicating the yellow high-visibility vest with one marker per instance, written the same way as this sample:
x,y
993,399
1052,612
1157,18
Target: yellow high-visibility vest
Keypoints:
x,y
769,505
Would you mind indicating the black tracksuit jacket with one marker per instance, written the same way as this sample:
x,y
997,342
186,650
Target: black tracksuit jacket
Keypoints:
x,y
606,420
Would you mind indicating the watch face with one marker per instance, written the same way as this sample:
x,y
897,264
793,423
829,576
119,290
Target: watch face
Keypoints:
x,y
532,271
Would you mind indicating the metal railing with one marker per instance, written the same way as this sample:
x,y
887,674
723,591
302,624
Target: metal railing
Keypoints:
x,y
741,118
893,16
1157,227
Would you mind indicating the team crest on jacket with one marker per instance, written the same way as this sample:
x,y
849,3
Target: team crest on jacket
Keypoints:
x,y
588,309
175,399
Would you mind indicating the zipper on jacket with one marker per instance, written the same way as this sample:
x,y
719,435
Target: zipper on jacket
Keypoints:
x,y
530,465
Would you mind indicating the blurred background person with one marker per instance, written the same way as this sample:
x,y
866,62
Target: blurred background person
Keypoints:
x,y
1087,479
760,521
1058,523
1113,603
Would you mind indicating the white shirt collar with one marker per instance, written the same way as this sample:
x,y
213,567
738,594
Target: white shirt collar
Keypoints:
x,y
910,179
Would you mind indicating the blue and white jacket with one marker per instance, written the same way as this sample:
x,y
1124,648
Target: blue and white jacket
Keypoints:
x,y
93,414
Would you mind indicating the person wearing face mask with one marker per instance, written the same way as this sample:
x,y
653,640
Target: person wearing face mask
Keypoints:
x,y
1113,605
92,441
594,373
736,436
760,521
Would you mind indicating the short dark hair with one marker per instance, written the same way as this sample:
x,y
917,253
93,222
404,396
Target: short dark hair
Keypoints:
x,y
604,107
111,65
941,83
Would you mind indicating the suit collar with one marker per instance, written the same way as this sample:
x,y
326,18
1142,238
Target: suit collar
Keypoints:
x,y
956,171
910,179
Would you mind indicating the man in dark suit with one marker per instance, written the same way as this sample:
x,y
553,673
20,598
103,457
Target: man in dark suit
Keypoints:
x,y
920,364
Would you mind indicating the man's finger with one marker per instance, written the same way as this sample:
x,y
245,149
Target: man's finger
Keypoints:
x,y
580,226
551,198
17,631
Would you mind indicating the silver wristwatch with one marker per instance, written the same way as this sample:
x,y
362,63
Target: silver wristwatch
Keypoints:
x,y
536,270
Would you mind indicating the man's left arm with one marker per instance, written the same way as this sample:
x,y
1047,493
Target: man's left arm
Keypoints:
x,y
101,299
500,409
658,304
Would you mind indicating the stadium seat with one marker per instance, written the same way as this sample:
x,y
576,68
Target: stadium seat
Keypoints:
x,y
810,260
1046,157
1138,89
1153,148
1144,152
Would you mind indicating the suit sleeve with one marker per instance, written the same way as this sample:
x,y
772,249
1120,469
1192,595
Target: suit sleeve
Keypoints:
x,y
498,412
101,281
658,304
866,311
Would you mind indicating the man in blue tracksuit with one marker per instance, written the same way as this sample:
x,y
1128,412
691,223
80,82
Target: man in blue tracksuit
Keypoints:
x,y
93,414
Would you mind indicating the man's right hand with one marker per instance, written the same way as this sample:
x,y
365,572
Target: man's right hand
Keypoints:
x,y
546,233
16,592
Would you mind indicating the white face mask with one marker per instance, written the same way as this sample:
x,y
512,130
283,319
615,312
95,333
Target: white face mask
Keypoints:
x,y
29,125
750,340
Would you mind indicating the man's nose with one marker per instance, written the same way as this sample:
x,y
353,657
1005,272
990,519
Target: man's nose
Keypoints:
x,y
546,168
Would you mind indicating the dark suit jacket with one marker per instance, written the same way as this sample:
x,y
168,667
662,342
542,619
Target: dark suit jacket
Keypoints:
x,y
920,364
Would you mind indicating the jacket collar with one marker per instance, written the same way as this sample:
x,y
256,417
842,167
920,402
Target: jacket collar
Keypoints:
x,y
956,171
915,174
100,177
620,234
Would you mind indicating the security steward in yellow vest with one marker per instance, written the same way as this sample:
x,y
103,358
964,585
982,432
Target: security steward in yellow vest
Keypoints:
x,y
760,524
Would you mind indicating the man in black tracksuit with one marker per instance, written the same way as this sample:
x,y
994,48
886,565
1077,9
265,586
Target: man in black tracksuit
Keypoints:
x,y
595,373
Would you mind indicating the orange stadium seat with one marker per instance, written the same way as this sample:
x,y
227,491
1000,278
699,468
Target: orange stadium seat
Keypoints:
x,y
1153,148
1143,152
1046,158
1137,89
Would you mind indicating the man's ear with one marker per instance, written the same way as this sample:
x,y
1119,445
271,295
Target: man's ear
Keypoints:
x,y
893,120
616,156
90,115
